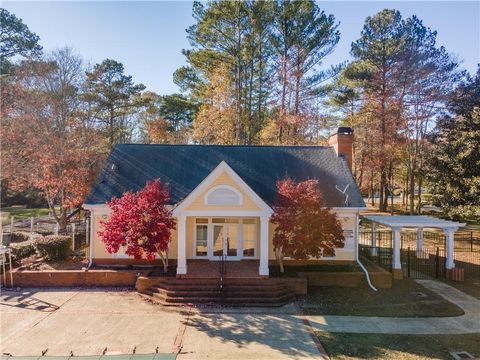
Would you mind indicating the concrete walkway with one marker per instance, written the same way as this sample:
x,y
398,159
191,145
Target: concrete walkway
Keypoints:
x,y
466,324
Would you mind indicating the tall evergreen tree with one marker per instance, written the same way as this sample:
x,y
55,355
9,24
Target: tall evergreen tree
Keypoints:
x,y
113,96
16,39
454,161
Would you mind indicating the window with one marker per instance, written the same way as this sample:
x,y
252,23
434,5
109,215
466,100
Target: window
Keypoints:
x,y
201,239
249,236
223,195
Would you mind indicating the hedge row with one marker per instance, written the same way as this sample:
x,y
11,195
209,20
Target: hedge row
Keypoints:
x,y
50,247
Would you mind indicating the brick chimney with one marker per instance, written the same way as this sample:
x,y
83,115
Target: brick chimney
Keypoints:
x,y
342,141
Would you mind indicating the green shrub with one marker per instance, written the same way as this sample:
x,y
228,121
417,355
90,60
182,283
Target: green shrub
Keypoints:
x,y
20,236
44,232
54,247
22,250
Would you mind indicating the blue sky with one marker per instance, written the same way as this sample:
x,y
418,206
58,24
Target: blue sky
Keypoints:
x,y
147,37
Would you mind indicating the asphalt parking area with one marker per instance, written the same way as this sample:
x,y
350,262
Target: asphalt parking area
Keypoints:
x,y
73,323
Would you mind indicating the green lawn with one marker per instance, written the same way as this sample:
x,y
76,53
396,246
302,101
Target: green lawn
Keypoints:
x,y
21,213
342,346
405,299
470,286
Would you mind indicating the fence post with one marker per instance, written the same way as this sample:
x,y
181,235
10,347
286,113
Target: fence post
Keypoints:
x,y
73,237
11,224
408,262
31,228
55,231
471,240
437,262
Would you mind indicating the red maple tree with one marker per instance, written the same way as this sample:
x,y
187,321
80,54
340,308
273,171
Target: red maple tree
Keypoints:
x,y
304,228
141,222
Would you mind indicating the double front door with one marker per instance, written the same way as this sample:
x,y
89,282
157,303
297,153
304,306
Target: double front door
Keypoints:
x,y
234,238
225,240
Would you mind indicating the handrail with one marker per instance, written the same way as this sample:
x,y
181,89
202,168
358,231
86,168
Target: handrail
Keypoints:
x,y
223,270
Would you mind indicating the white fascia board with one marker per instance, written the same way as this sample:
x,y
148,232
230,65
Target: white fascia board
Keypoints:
x,y
348,209
223,166
98,209
223,213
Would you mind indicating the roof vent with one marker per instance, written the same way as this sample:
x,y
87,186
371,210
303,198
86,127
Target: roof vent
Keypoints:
x,y
113,167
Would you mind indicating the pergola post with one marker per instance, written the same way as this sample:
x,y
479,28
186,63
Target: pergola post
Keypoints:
x,y
181,246
397,264
374,240
419,239
450,235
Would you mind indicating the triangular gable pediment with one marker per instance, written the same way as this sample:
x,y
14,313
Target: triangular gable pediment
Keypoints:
x,y
223,178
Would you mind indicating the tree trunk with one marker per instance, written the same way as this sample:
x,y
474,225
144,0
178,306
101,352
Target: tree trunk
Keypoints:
x,y
62,221
372,189
279,256
419,206
412,192
391,186
164,258
383,185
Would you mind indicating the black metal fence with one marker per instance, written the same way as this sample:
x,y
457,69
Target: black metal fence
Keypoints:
x,y
423,264
382,256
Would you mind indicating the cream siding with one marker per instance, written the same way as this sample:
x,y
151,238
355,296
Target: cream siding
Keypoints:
x,y
223,179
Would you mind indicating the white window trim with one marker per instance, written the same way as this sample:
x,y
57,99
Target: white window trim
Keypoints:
x,y
224,187
240,255
195,256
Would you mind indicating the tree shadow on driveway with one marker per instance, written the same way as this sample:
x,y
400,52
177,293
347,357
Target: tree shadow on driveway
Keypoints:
x,y
263,335
26,300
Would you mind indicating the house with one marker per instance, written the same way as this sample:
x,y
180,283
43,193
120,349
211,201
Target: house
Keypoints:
x,y
222,196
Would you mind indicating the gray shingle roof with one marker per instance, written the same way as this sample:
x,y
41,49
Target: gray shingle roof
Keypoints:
x,y
183,167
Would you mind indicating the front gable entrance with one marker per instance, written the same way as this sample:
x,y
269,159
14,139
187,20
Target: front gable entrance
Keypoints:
x,y
225,218
222,190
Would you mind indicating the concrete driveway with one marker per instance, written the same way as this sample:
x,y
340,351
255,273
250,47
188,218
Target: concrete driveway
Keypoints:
x,y
90,322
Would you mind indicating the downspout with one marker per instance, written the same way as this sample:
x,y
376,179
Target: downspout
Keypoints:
x,y
357,257
90,229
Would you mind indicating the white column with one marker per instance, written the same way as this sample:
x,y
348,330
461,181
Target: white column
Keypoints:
x,y
449,234
263,269
419,239
374,240
181,246
396,248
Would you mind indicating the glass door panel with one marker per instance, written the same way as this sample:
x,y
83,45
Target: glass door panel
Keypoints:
x,y
232,239
218,240
201,240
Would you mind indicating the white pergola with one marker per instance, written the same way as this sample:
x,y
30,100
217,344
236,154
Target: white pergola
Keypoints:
x,y
419,222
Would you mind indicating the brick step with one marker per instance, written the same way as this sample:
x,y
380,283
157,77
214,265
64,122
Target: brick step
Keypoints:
x,y
226,292
244,304
200,287
207,281
226,300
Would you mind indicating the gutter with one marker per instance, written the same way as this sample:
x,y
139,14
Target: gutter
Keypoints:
x,y
357,258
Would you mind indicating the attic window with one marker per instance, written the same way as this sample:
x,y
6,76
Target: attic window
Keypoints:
x,y
223,195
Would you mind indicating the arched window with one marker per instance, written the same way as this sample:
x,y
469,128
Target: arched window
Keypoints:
x,y
223,195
